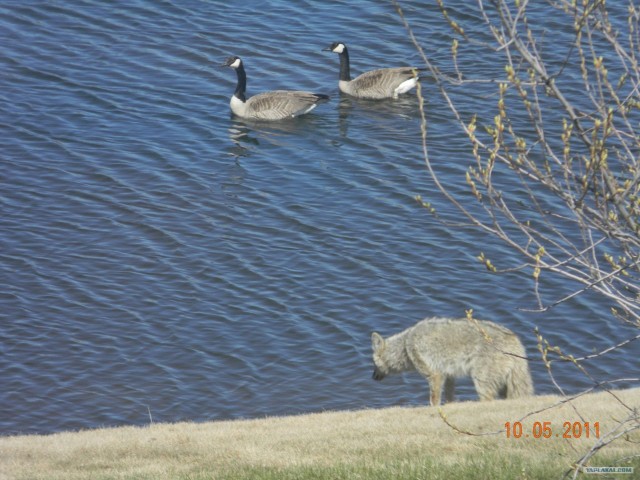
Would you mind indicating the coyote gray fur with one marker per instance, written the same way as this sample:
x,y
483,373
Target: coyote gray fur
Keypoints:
x,y
442,349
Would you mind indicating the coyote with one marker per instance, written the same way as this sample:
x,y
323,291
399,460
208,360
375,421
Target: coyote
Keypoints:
x,y
441,349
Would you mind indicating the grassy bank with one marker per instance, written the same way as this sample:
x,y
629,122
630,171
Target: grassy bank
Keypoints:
x,y
389,443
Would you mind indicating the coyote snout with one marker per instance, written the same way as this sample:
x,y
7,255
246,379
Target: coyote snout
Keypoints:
x,y
443,349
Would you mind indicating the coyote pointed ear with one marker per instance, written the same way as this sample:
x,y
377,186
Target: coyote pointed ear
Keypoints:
x,y
377,342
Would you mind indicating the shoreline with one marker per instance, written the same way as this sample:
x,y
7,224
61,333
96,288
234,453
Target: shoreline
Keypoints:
x,y
381,443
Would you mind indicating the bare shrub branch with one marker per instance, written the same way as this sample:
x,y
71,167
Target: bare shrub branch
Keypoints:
x,y
554,154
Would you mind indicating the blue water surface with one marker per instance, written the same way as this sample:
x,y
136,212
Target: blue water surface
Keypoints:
x,y
161,260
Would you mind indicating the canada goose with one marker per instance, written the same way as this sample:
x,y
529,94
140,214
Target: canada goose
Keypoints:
x,y
375,84
275,105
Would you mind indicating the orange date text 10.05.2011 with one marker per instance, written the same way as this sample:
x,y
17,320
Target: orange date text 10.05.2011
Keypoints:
x,y
545,430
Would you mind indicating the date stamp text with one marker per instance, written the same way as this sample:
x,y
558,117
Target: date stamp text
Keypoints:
x,y
547,430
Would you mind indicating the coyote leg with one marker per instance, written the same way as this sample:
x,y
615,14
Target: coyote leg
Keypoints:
x,y
435,388
449,387
485,388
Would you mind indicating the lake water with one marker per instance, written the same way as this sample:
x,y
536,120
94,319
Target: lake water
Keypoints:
x,y
161,260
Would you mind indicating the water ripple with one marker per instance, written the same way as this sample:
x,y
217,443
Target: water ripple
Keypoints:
x,y
162,260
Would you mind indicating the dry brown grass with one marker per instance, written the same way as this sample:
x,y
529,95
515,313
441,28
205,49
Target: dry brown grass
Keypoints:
x,y
369,438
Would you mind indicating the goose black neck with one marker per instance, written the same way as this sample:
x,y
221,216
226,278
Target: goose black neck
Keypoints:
x,y
241,87
344,65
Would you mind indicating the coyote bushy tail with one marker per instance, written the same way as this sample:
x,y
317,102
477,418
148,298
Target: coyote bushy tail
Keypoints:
x,y
519,383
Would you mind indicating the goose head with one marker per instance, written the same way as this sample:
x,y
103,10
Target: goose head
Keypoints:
x,y
233,62
336,47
